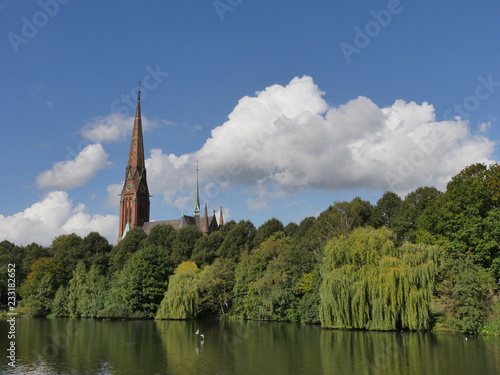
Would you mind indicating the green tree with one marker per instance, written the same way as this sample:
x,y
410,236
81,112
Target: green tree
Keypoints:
x,y
124,250
76,289
33,252
41,284
181,300
369,283
266,230
140,285
183,244
341,219
14,255
205,249
463,300
266,280
161,235
59,305
411,208
466,217
237,239
216,284
67,250
96,293
385,211
290,229
95,249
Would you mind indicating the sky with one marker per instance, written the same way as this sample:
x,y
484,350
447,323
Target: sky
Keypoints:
x,y
289,106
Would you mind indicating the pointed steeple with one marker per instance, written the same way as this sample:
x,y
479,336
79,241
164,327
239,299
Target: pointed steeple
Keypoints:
x,y
197,197
205,228
221,218
134,202
136,163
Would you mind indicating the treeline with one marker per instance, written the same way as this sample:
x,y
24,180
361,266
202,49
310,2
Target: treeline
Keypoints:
x,y
428,261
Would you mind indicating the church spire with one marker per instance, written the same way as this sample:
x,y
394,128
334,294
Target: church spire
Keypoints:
x,y
197,197
205,226
221,218
134,202
136,163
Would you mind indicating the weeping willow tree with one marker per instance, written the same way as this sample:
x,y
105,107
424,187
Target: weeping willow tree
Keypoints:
x,y
369,283
181,300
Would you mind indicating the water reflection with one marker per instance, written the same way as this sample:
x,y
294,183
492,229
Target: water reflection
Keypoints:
x,y
65,346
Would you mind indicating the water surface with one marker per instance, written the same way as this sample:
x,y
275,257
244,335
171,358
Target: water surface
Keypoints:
x,y
66,346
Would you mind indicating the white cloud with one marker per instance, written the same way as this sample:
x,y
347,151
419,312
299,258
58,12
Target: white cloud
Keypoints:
x,y
54,215
74,173
287,138
114,127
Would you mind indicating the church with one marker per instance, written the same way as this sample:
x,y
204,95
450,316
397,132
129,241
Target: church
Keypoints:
x,y
134,201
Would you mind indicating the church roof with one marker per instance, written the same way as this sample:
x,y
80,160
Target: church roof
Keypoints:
x,y
184,221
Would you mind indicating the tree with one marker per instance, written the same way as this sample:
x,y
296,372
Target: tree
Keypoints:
x,y
266,230
33,252
239,238
140,285
13,255
463,300
128,246
266,280
95,249
369,283
161,235
181,300
67,250
216,284
41,284
205,249
290,229
385,211
183,244
466,218
59,305
405,224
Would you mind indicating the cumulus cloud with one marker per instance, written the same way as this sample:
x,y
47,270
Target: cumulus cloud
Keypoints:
x,y
287,138
74,173
114,127
54,215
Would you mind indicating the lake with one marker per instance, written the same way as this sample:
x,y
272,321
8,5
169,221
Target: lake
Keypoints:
x,y
66,346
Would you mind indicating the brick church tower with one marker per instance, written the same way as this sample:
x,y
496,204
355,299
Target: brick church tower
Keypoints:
x,y
134,202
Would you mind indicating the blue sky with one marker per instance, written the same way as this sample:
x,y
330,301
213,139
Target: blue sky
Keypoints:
x,y
289,106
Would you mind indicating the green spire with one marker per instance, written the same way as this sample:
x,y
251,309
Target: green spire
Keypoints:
x,y
197,198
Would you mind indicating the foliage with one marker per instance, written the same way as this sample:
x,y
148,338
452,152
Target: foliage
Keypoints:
x,y
181,300
463,300
205,249
238,238
59,306
161,235
216,283
369,283
340,219
41,284
183,244
266,230
67,250
385,211
467,216
128,246
266,280
141,283
411,208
